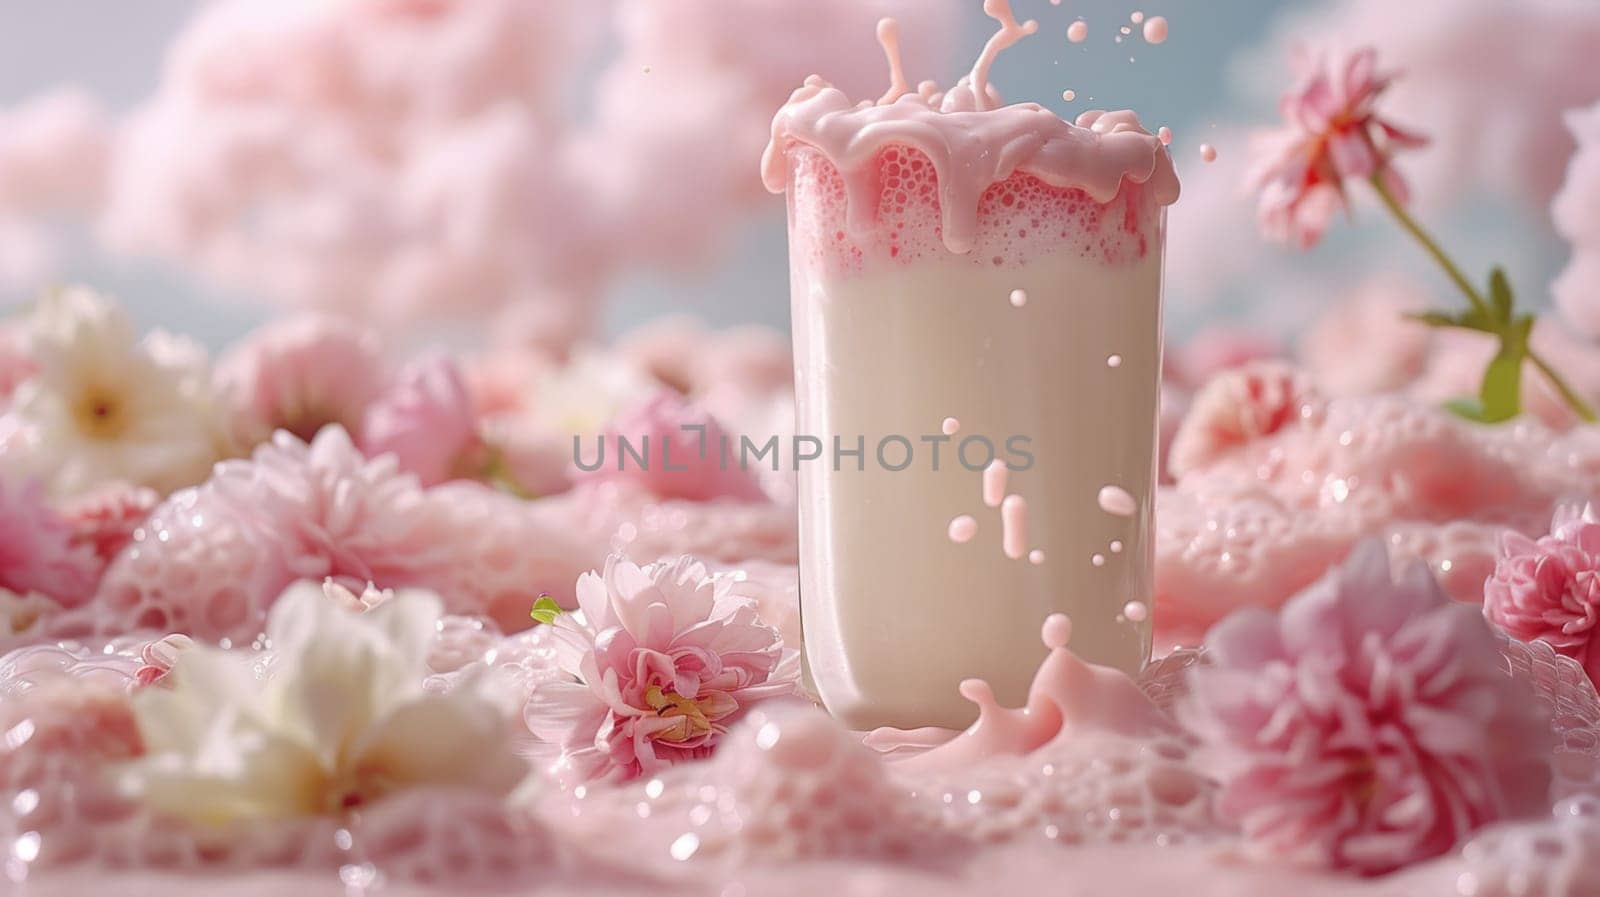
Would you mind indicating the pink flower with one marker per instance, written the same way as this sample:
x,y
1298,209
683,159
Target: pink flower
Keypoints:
x,y
1239,406
105,518
426,420
300,374
1332,132
664,659
683,449
1549,588
37,550
212,560
1369,725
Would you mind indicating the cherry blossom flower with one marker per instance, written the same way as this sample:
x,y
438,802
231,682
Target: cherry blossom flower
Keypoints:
x,y
1368,725
663,660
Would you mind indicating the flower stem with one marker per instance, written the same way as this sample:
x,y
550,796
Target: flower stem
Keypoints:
x,y
1568,394
1431,246
1453,271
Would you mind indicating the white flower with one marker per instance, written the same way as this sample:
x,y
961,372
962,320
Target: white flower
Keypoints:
x,y
585,394
107,406
341,720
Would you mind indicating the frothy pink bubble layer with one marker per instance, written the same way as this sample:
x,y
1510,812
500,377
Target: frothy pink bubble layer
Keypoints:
x,y
934,172
1018,220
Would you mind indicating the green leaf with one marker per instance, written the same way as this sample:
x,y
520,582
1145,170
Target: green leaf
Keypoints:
x,y
545,610
1468,408
1500,297
1470,319
1500,396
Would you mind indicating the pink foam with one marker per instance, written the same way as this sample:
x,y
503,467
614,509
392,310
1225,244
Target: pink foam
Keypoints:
x,y
1019,219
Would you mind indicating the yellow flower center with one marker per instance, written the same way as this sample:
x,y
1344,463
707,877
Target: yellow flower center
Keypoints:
x,y
100,413
690,721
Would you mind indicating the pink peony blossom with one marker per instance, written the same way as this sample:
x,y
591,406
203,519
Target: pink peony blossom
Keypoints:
x,y
210,561
105,518
1369,725
299,374
1549,588
426,420
1239,406
664,659
683,449
38,552
1332,133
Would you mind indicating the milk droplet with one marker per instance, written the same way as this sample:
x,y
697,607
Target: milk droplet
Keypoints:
x,y
951,426
1155,30
994,482
1137,17
1116,546
963,528
1019,298
1036,557
1208,152
1069,95
1114,361
1078,31
1136,611
1166,135
1116,501
1125,29
1014,526
1099,560
1056,631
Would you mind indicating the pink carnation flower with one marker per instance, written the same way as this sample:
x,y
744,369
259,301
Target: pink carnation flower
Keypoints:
x,y
1549,588
426,420
106,518
664,659
37,550
1332,133
683,449
300,374
1369,725
1239,406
